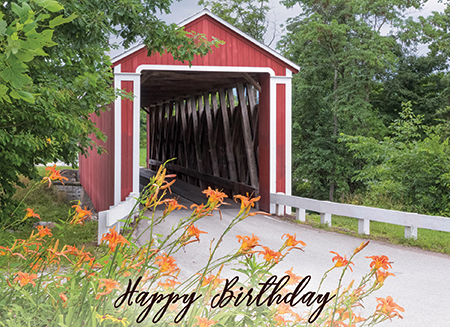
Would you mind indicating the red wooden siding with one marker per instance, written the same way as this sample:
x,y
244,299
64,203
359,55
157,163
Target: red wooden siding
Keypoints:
x,y
126,184
264,143
281,138
237,51
97,171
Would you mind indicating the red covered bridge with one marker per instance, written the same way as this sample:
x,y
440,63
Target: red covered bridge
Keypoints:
x,y
227,120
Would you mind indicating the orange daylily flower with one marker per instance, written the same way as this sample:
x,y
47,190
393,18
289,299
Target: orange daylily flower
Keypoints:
x,y
346,315
30,213
168,284
166,264
25,278
204,322
381,276
341,261
109,285
294,279
54,253
246,202
36,265
362,246
215,197
84,257
10,251
284,308
200,210
379,262
71,250
167,184
159,183
292,242
248,243
215,280
270,255
114,239
81,215
357,318
63,298
171,205
44,231
53,175
279,319
190,232
388,307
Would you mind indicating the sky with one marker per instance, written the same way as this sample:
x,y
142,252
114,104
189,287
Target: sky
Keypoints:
x,y
279,14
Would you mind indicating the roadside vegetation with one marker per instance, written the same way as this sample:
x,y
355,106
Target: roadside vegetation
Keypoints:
x,y
427,239
51,206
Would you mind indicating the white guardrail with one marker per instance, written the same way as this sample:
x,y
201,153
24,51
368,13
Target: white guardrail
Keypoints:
x,y
411,221
109,218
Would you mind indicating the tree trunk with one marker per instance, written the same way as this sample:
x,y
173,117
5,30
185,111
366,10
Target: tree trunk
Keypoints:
x,y
333,170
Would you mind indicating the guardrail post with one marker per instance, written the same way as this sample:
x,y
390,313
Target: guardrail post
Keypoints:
x,y
325,218
279,208
102,227
411,232
300,214
364,226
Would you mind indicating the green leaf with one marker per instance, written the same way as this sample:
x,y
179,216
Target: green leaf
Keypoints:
x,y
24,55
61,20
26,96
22,12
3,26
51,5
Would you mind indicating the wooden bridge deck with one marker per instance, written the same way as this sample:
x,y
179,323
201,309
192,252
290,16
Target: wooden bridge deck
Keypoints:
x,y
179,188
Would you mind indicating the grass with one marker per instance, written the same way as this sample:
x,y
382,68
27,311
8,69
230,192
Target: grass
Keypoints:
x,y
41,169
52,206
142,155
431,240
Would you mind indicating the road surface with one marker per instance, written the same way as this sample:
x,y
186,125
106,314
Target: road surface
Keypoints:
x,y
422,279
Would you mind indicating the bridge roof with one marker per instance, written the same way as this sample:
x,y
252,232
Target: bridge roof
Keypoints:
x,y
239,49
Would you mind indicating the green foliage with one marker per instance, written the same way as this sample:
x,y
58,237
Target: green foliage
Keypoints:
x,y
406,166
250,16
347,69
420,79
22,38
142,157
52,206
72,77
143,129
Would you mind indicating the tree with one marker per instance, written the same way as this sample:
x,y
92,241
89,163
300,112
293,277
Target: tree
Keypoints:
x,y
250,16
342,52
410,167
72,79
420,79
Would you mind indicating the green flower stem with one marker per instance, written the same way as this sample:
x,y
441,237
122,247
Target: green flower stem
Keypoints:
x,y
325,275
339,287
20,203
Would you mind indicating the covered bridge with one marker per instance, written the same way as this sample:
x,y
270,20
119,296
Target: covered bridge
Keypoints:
x,y
227,120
